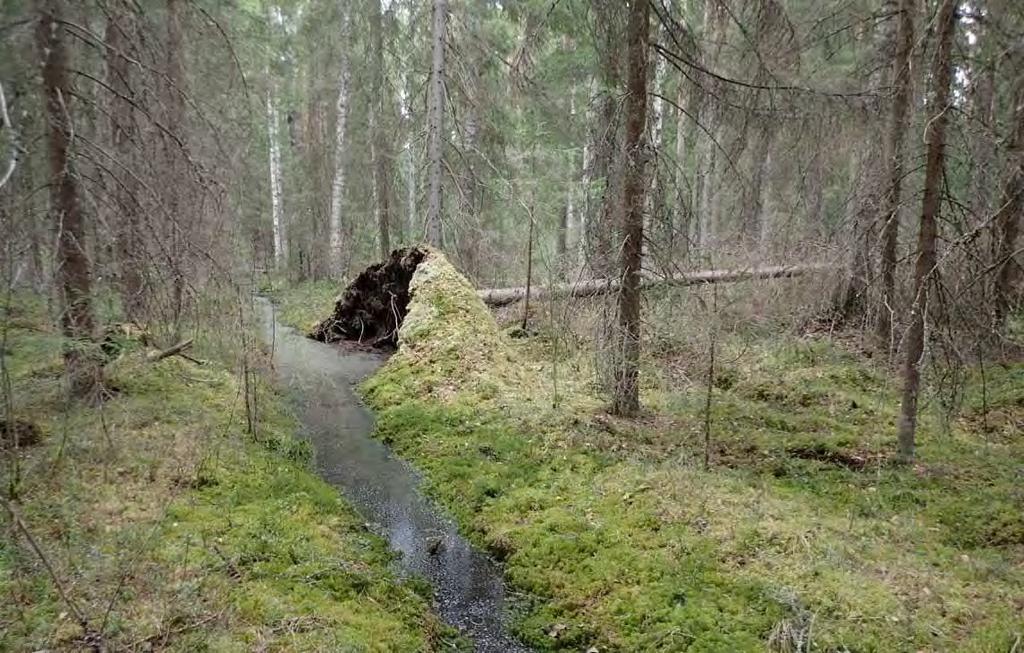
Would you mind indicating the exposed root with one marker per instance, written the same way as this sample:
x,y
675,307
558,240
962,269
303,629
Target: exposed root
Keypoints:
x,y
372,308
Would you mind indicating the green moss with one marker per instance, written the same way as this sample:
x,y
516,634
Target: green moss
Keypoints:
x,y
618,539
209,537
303,305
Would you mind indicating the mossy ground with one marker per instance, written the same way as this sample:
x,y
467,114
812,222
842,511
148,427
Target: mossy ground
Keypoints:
x,y
303,305
172,528
801,536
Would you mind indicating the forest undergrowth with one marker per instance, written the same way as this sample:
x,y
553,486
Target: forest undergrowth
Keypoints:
x,y
169,526
802,534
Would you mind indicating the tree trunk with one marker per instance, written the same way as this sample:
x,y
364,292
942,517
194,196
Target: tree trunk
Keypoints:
x,y
708,155
942,75
338,179
569,220
627,388
562,240
276,190
128,242
435,127
607,161
1011,213
898,122
753,227
497,297
73,275
174,102
655,203
469,235
378,139
688,195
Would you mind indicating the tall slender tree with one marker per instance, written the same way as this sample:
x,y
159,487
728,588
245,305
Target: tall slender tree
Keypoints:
x,y
627,387
339,179
122,120
898,122
378,138
435,126
73,275
924,268
1010,215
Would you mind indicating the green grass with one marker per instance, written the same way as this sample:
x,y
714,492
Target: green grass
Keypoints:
x,y
173,528
304,305
801,528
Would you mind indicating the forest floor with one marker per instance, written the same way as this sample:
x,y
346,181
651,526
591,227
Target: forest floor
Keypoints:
x,y
802,535
170,527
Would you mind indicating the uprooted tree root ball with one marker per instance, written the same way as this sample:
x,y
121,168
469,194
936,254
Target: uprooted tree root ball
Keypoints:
x,y
418,302
372,308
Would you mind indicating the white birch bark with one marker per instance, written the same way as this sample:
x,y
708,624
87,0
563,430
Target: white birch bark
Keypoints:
x,y
338,180
570,195
276,187
586,176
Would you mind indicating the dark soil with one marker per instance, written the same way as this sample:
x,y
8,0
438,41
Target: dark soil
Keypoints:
x,y
24,433
373,306
854,461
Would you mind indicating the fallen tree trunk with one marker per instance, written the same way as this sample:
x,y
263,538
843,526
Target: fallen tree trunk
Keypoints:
x,y
176,350
503,296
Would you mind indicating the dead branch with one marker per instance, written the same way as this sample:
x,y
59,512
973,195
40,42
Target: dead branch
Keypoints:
x,y
90,635
176,350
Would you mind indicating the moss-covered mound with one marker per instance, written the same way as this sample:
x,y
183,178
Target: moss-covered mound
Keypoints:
x,y
448,340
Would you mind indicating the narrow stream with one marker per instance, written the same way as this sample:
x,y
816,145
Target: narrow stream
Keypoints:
x,y
319,378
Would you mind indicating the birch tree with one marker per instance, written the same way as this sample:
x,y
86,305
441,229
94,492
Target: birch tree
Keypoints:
x,y
276,185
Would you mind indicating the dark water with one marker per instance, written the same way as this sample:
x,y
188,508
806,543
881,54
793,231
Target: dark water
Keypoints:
x,y
468,587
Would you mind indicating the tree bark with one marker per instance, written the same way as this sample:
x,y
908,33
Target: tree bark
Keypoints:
x,y
942,75
1011,213
378,139
496,297
606,162
435,127
128,245
626,401
174,102
73,273
276,189
338,178
708,155
898,122
655,215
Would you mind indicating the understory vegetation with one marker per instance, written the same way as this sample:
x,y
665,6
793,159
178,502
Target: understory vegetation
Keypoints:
x,y
802,534
169,526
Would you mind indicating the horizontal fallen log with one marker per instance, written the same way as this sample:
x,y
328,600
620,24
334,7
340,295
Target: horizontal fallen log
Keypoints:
x,y
495,297
176,350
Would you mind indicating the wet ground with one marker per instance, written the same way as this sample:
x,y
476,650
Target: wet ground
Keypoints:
x,y
469,591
